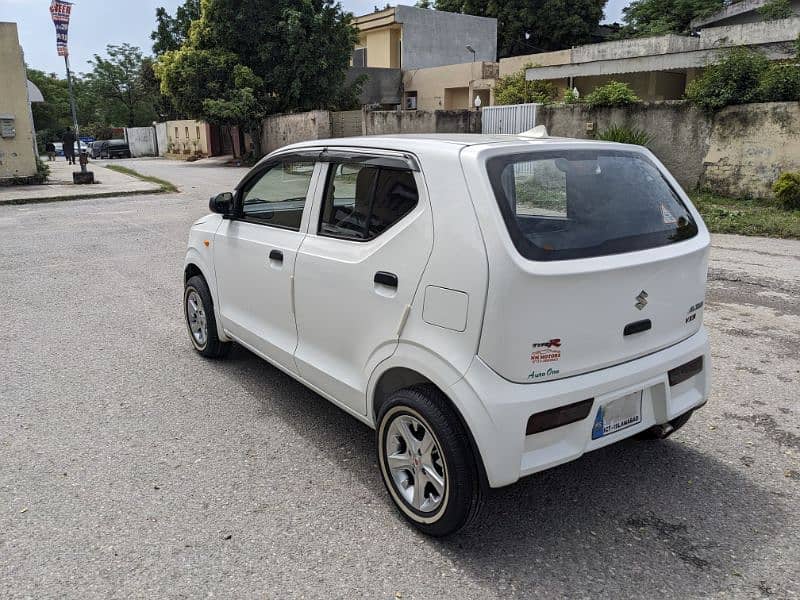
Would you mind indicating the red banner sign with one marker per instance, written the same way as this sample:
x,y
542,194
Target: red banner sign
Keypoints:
x,y
60,11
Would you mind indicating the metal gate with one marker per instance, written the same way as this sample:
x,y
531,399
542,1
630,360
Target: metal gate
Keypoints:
x,y
346,123
511,119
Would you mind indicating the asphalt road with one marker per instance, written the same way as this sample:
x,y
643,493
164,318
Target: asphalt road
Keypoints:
x,y
131,467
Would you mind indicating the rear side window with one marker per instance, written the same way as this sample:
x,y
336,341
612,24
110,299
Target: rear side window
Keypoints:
x,y
581,204
362,201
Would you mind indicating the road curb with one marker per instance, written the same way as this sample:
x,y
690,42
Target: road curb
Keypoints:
x,y
21,201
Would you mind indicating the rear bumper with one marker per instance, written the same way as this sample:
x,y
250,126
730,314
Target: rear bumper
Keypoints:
x,y
508,453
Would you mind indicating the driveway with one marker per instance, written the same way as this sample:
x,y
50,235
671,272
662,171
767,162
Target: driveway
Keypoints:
x,y
131,467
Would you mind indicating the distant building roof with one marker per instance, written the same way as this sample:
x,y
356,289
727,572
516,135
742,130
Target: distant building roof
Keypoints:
x,y
668,52
733,9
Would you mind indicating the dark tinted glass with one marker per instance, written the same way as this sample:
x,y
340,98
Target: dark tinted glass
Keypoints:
x,y
581,204
361,202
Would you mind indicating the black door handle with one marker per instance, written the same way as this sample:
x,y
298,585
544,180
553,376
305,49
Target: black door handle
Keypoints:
x,y
387,279
276,255
638,327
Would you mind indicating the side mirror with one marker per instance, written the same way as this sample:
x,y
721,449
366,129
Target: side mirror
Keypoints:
x,y
222,204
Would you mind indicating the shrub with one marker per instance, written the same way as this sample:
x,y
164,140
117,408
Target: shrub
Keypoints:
x,y
570,97
787,190
776,9
515,89
42,171
734,80
612,94
625,135
780,83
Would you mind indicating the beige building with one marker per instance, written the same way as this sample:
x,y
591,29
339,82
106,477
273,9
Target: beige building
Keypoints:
x,y
17,140
380,40
420,58
189,137
407,37
451,87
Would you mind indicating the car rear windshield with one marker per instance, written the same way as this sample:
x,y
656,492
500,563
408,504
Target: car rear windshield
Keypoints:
x,y
573,204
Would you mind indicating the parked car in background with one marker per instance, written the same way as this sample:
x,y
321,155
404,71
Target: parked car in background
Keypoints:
x,y
79,147
96,148
493,306
110,149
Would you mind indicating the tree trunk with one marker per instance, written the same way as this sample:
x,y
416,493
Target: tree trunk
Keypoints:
x,y
255,133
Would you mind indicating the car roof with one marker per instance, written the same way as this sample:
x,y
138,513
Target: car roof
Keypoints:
x,y
433,141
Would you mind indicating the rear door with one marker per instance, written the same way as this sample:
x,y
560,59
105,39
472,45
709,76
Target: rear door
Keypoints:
x,y
358,270
595,260
255,253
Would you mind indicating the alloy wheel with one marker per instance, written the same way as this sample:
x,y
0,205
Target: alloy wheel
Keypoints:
x,y
196,318
415,464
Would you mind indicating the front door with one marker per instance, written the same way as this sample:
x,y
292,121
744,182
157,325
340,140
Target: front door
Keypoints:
x,y
254,257
357,272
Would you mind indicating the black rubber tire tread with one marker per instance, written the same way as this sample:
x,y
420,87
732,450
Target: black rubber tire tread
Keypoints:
x,y
214,347
467,488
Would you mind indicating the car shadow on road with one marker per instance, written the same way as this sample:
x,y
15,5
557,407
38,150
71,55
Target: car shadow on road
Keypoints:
x,y
632,519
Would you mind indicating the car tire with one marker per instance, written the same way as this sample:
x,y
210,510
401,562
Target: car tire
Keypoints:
x,y
420,437
198,310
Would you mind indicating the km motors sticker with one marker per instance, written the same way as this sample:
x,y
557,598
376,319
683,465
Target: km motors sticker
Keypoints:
x,y
546,352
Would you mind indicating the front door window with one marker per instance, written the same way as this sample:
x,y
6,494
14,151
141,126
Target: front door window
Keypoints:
x,y
278,196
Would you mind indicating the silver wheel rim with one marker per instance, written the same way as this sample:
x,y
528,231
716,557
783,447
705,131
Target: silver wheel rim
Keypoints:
x,y
196,318
415,465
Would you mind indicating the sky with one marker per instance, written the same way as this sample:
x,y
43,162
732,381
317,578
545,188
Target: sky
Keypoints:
x,y
97,23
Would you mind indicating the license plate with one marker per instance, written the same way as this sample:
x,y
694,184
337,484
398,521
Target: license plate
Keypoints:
x,y
617,415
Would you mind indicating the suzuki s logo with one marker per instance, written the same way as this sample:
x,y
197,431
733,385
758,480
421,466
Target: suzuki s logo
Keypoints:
x,y
641,300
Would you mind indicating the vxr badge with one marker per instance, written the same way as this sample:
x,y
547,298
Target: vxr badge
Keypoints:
x,y
641,300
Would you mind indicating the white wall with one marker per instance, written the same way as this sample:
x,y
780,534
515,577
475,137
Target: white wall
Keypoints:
x,y
161,138
141,140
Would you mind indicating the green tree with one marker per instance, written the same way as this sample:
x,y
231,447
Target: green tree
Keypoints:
x,y
54,115
162,105
246,59
515,89
171,32
527,26
117,83
657,17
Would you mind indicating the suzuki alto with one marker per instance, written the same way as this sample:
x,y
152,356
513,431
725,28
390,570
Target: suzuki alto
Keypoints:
x,y
493,306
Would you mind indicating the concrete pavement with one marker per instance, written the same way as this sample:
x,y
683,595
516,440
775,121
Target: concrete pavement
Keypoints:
x,y
60,186
131,467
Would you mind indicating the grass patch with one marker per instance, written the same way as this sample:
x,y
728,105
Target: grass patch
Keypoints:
x,y
747,217
166,186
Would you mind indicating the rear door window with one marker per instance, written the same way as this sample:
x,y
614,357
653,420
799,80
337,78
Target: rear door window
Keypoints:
x,y
362,201
581,204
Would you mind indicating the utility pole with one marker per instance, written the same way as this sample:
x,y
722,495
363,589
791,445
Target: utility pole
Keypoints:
x,y
72,97
60,11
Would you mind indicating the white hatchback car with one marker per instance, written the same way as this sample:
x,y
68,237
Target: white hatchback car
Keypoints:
x,y
492,306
